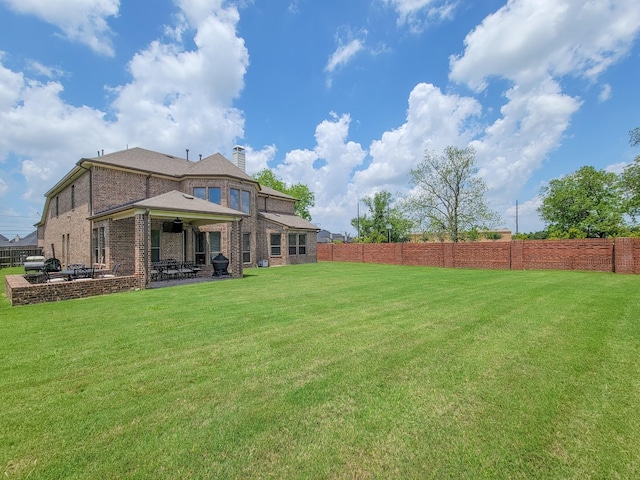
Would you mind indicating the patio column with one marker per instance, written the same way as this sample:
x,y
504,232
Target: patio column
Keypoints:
x,y
141,247
236,249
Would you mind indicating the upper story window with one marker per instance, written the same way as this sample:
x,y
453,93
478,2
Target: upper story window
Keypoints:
x,y
200,192
246,202
234,198
212,194
215,195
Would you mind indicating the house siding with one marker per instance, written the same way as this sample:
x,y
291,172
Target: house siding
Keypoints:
x,y
67,232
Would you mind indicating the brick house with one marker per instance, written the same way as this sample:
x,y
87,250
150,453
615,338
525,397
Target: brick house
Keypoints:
x,y
137,206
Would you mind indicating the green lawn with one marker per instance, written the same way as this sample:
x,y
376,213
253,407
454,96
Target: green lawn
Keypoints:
x,y
331,371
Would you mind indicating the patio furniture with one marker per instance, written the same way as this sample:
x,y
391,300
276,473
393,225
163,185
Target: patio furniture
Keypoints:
x,y
186,270
171,269
83,273
113,272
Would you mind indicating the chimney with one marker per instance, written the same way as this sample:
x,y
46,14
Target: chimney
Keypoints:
x,y
238,158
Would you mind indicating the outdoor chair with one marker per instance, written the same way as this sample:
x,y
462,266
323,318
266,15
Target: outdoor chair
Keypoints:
x,y
113,272
186,270
171,269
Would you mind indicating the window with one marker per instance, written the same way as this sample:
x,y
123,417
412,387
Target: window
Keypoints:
x,y
73,197
214,244
234,198
297,244
99,247
276,243
57,207
200,192
293,244
246,202
302,244
200,247
155,245
246,248
214,195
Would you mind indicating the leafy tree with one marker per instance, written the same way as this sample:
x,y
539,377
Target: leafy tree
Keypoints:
x,y
585,204
373,228
630,179
448,197
305,198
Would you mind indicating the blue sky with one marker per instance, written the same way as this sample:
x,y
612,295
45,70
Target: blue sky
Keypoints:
x,y
342,96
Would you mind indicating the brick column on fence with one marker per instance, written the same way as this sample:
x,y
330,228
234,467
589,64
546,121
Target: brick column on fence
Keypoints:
x,y
448,249
627,255
517,254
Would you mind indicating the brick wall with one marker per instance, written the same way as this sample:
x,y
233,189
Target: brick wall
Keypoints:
x,y
621,255
20,292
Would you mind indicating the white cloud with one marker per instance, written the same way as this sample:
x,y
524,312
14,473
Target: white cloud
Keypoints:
x,y
343,54
326,170
605,93
418,14
349,43
184,96
84,21
532,124
616,168
257,160
176,99
527,40
434,120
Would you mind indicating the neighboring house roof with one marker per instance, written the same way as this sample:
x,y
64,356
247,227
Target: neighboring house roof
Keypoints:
x,y
30,240
289,220
176,204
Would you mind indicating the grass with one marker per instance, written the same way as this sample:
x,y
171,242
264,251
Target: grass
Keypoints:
x,y
329,371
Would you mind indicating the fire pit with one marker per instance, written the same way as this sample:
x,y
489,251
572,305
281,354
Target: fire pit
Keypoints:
x,y
220,265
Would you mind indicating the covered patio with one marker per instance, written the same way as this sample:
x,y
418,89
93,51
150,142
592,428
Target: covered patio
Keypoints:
x,y
128,231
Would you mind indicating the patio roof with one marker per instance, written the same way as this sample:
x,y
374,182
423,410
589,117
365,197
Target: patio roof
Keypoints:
x,y
175,204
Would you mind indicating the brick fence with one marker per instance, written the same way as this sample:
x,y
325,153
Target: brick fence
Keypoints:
x,y
620,255
20,292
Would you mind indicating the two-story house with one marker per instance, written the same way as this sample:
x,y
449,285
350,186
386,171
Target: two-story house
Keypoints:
x,y
136,206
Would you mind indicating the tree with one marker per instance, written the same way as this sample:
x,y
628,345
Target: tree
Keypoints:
x,y
384,222
305,198
584,204
630,179
448,197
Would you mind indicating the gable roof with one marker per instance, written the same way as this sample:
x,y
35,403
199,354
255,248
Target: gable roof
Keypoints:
x,y
164,164
289,220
